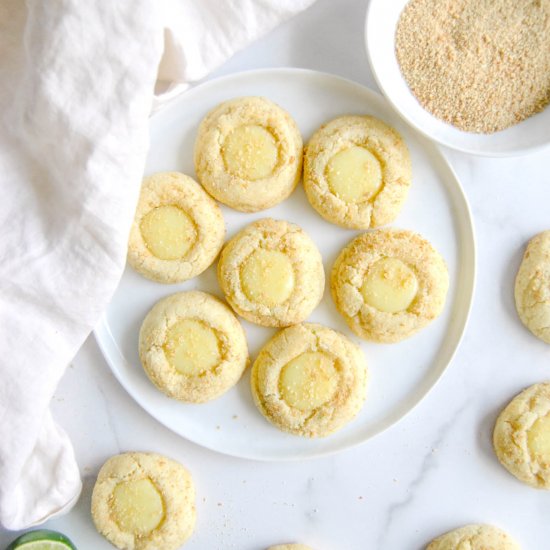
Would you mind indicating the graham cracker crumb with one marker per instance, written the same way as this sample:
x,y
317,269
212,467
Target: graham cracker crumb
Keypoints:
x,y
480,65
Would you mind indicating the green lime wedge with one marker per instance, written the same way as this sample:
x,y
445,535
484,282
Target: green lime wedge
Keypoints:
x,y
42,539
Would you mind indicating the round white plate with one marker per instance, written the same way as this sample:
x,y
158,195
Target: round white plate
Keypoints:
x,y
400,374
381,22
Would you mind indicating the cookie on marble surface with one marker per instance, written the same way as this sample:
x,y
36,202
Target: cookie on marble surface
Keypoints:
x,y
272,273
357,172
144,501
290,547
474,537
309,380
192,347
532,289
248,153
521,437
178,229
388,284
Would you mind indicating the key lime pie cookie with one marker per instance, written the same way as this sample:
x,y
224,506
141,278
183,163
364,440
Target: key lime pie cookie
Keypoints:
x,y
248,153
192,347
144,501
532,290
522,436
309,380
388,284
474,537
272,273
178,230
357,172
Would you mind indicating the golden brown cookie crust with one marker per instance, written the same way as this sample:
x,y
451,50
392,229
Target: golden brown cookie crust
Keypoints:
x,y
215,315
289,547
511,436
177,189
385,143
172,481
353,263
307,267
238,192
474,537
532,289
290,343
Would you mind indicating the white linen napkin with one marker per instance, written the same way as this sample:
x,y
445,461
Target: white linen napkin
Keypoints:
x,y
76,90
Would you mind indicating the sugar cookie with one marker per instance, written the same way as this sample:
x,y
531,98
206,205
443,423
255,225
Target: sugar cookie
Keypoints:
x,y
192,347
474,537
522,436
144,501
388,284
532,291
248,153
289,547
272,273
178,230
309,380
357,172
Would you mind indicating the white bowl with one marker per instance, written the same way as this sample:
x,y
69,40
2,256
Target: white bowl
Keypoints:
x,y
382,16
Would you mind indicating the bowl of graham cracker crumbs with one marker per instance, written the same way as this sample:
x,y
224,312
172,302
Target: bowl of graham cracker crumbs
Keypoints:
x,y
473,75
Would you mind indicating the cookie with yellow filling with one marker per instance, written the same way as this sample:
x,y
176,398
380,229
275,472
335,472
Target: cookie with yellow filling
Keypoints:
x,y
192,347
248,153
272,273
144,501
521,437
474,537
532,290
357,172
178,229
388,284
309,380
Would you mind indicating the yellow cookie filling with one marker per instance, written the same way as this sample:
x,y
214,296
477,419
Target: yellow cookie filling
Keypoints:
x,y
308,381
390,285
192,347
137,506
538,439
267,277
354,174
250,152
168,232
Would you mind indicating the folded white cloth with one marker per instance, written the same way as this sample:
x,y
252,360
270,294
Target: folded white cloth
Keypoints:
x,y
76,89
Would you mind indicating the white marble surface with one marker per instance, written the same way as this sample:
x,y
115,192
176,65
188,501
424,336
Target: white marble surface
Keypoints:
x,y
432,472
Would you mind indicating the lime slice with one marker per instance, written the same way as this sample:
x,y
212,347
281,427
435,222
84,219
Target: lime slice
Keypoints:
x,y
42,539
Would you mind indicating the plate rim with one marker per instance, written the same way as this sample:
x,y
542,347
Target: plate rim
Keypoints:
x,y
487,153
104,338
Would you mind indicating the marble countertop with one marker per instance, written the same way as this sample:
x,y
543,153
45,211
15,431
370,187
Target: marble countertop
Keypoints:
x,y
433,471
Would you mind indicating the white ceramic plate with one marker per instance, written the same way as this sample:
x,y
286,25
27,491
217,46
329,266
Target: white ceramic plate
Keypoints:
x,y
400,374
382,16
